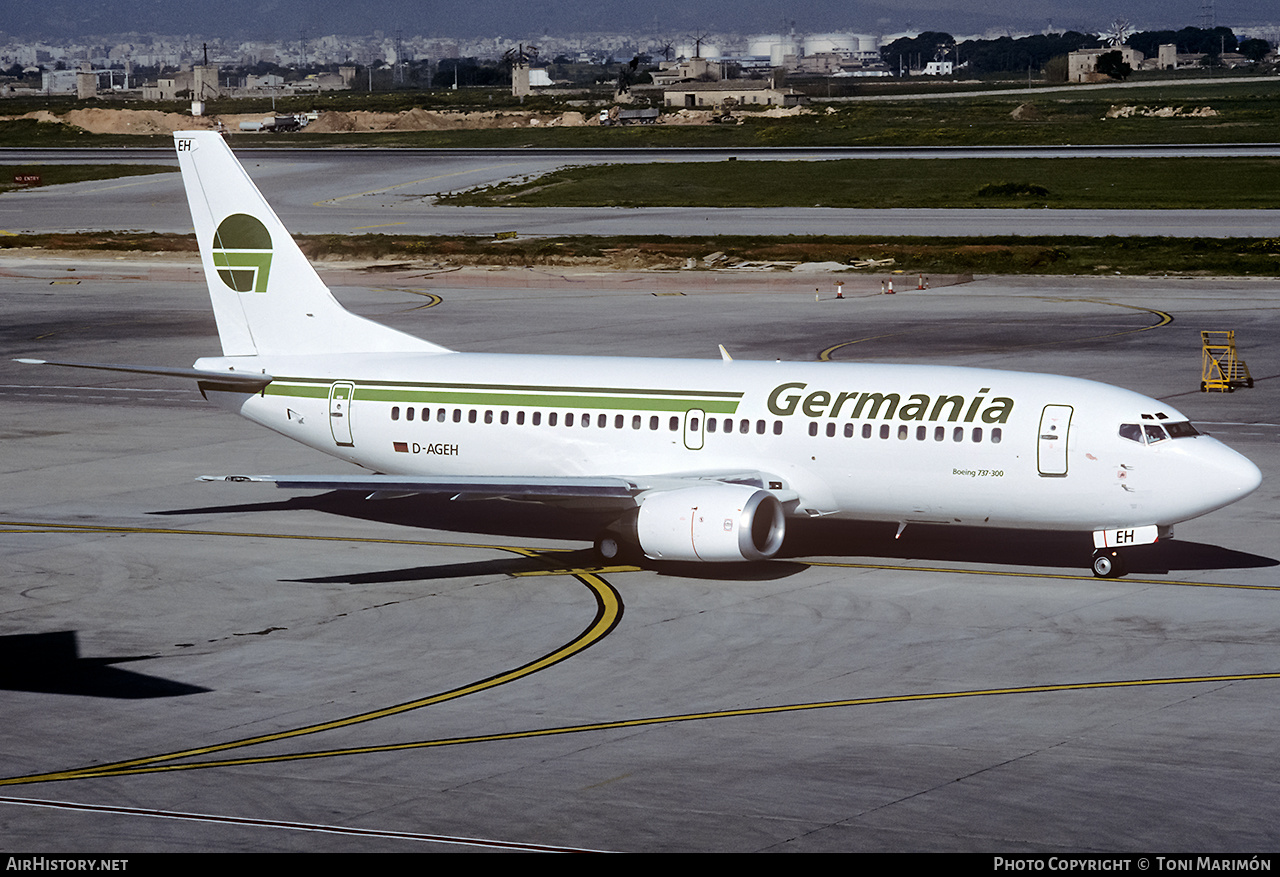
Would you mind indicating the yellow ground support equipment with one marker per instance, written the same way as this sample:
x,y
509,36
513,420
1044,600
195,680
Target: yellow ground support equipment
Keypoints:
x,y
1221,369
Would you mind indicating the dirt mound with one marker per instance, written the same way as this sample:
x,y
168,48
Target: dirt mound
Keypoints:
x,y
1026,113
40,116
332,123
418,119
687,117
100,121
782,112
1125,112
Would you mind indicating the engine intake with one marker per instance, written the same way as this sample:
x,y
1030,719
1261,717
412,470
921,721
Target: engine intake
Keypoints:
x,y
718,523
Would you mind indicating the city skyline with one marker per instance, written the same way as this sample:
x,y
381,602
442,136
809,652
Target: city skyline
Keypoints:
x,y
292,19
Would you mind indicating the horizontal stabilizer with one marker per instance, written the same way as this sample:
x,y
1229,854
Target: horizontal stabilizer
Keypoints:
x,y
242,381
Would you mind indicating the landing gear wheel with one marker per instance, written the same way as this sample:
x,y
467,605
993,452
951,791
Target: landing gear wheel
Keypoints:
x,y
1108,564
608,548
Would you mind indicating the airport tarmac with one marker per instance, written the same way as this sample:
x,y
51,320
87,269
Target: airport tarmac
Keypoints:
x,y
393,191
194,667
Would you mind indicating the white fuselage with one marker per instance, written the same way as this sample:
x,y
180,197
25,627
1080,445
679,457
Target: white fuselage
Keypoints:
x,y
860,441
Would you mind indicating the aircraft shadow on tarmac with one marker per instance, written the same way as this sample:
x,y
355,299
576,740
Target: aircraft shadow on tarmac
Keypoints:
x,y
50,663
826,538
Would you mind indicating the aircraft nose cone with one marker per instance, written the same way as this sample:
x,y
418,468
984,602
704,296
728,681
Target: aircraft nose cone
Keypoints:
x,y
1232,476
1248,477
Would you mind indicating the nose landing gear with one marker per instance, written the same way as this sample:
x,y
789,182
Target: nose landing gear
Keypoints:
x,y
1108,564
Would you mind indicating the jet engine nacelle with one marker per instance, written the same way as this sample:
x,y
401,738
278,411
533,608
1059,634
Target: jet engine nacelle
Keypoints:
x,y
716,523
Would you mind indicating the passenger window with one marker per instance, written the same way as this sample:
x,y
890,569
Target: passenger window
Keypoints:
x,y
884,430
519,418
653,422
693,424
848,430
996,435
618,421
674,424
759,427
488,417
426,414
568,419
921,432
958,435
586,420
395,412
408,414
777,427
977,433
1154,433
635,422
603,421
505,416
813,427
457,415
866,430
903,432
711,424
744,427
471,416
1131,431
551,418
440,415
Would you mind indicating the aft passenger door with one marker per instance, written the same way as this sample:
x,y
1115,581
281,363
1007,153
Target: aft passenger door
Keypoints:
x,y
340,412
694,425
1051,456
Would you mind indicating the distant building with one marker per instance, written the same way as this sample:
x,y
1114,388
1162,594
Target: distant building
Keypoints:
x,y
686,70
58,81
939,68
743,92
1082,65
268,80
198,83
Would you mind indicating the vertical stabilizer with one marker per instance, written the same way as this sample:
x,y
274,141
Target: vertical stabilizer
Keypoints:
x,y
267,298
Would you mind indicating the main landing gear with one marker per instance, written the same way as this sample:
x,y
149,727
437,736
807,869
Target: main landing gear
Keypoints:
x,y
1108,563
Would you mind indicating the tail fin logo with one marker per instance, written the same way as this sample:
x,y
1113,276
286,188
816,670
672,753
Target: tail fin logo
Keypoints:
x,y
242,253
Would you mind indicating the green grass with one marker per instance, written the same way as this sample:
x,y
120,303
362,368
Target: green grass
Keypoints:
x,y
1172,183
1248,107
55,174
1044,255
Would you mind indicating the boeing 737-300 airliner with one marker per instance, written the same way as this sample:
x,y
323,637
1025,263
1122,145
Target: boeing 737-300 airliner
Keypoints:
x,y
692,460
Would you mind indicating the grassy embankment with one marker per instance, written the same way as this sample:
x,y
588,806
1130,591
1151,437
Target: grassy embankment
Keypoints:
x,y
1247,107
1157,256
1101,183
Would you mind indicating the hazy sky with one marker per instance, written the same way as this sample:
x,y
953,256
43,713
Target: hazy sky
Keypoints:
x,y
285,19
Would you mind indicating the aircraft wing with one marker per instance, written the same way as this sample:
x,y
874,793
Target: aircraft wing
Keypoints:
x,y
609,489
603,490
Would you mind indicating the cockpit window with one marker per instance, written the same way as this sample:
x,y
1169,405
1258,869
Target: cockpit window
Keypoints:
x,y
1181,430
1154,433
1131,431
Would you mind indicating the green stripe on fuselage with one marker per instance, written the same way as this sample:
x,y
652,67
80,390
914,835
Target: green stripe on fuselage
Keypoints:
x,y
594,398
